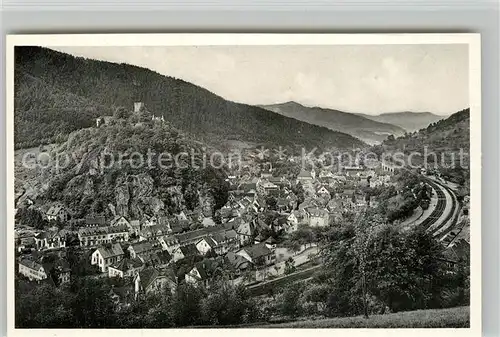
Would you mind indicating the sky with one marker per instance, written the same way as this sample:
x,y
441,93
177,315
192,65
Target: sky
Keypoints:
x,y
369,79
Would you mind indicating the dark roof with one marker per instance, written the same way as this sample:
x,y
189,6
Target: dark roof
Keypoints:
x,y
235,260
110,251
141,247
30,263
227,235
102,230
127,264
199,233
271,240
47,235
210,241
283,202
148,275
208,267
257,251
247,186
155,230
161,257
98,220
189,250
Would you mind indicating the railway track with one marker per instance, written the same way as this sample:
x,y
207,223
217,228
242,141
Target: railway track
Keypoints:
x,y
440,208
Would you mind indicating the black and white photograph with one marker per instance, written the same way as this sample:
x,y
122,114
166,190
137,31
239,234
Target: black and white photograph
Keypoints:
x,y
244,181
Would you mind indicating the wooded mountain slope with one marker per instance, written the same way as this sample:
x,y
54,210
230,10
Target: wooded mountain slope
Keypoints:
x,y
53,88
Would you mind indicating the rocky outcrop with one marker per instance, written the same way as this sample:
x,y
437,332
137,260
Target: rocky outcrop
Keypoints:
x,y
122,196
135,196
206,202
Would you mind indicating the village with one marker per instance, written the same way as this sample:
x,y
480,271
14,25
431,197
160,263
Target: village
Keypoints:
x,y
250,240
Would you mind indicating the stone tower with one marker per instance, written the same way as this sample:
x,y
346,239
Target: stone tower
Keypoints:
x,y
138,99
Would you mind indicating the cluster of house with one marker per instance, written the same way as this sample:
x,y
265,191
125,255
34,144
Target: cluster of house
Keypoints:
x,y
146,251
327,196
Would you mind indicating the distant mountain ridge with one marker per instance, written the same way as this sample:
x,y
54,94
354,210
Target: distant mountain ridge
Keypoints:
x,y
410,121
74,88
367,129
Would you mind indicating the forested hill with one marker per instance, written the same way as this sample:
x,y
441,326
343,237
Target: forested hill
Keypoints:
x,y
448,139
358,126
57,93
450,134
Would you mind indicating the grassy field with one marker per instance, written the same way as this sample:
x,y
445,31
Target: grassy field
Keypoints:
x,y
433,318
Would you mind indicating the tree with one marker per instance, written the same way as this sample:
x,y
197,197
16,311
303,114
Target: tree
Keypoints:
x,y
298,190
227,305
187,305
31,217
121,113
360,246
271,202
290,266
290,304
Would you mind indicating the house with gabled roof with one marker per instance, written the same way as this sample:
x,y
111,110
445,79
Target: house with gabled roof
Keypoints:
x,y
169,243
323,191
125,267
185,251
93,236
318,217
143,248
294,218
204,272
57,212
157,259
206,245
245,232
258,254
153,232
107,255
152,280
120,221
181,216
51,239
237,263
32,270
